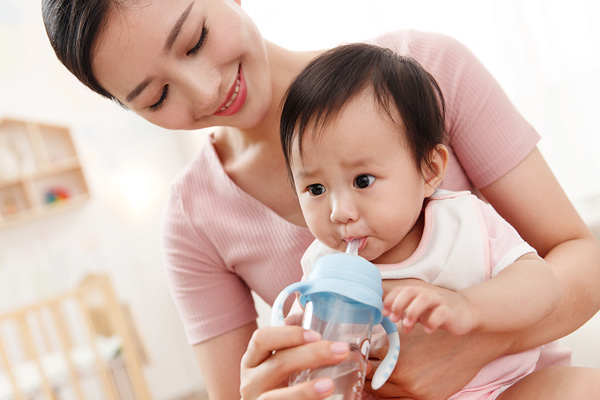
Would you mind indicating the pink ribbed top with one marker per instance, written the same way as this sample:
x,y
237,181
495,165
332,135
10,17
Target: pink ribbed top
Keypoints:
x,y
220,243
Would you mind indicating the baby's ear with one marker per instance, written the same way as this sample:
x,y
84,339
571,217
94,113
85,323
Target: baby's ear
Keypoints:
x,y
433,173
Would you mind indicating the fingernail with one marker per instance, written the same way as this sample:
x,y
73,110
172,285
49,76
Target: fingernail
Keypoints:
x,y
339,348
323,386
311,336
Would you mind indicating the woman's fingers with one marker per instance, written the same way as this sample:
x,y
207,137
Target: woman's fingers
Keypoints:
x,y
266,340
276,370
275,352
318,389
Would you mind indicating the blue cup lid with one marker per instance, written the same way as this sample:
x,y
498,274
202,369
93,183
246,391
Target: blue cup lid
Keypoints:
x,y
349,276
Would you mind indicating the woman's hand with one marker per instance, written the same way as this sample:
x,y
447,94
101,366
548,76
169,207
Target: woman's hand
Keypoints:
x,y
275,352
436,365
430,366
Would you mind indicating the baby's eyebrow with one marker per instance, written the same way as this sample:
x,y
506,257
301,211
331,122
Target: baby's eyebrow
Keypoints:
x,y
303,174
362,162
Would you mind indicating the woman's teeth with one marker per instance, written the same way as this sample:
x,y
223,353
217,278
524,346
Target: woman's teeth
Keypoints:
x,y
234,96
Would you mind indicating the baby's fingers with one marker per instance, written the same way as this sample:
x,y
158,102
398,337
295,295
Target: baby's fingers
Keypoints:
x,y
450,319
398,300
437,317
420,309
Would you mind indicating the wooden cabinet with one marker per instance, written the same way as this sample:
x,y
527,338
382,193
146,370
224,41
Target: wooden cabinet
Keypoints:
x,y
40,171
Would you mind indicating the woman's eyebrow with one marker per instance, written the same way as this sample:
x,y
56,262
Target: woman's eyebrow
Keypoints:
x,y
138,89
168,45
177,27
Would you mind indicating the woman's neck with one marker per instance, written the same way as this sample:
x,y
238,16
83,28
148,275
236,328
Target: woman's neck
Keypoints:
x,y
252,157
284,65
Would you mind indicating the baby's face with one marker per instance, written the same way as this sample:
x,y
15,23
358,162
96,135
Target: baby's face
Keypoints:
x,y
357,179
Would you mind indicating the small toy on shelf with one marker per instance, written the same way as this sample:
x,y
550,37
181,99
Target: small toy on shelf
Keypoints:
x,y
55,194
40,171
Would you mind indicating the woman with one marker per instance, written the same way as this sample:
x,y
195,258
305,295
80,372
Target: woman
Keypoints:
x,y
232,224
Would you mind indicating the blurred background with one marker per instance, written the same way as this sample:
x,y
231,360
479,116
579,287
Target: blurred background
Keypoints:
x,y
545,54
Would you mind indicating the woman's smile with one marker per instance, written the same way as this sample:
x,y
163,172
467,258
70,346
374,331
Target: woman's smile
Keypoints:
x,y
236,96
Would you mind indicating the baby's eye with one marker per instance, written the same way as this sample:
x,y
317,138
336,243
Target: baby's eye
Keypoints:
x,y
316,189
363,181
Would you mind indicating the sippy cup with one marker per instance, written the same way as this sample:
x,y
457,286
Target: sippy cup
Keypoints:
x,y
342,300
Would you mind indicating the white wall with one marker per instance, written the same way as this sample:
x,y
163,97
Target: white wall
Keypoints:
x,y
545,55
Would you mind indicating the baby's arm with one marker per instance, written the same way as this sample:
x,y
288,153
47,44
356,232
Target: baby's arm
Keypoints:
x,y
519,296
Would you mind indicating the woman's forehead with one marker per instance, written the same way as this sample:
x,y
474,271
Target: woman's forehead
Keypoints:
x,y
132,40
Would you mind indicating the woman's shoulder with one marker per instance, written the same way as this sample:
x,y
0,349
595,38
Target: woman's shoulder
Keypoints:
x,y
421,45
445,57
203,195
205,165
198,191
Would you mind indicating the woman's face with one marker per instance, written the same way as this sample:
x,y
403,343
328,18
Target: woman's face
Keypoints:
x,y
185,64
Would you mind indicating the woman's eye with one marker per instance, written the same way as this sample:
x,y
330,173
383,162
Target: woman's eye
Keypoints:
x,y
163,96
363,181
316,189
200,43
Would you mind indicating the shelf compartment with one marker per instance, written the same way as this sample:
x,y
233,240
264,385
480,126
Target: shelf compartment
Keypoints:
x,y
55,144
14,200
17,154
58,187
40,171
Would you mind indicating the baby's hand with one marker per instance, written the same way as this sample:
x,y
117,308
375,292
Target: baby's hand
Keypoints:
x,y
434,307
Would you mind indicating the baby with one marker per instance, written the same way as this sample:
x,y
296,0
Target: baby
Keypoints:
x,y
362,131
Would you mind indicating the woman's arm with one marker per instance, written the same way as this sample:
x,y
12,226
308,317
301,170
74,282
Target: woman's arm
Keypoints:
x,y
219,359
530,198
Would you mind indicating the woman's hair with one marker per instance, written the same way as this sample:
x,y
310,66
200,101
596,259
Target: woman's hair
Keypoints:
x,y
72,27
331,80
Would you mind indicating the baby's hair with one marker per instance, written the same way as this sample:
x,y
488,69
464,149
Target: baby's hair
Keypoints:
x,y
398,83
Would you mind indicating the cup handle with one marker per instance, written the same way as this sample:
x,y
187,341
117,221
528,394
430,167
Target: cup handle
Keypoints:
x,y
277,310
389,362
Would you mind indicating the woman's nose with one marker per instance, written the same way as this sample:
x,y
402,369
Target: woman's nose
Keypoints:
x,y
343,210
200,87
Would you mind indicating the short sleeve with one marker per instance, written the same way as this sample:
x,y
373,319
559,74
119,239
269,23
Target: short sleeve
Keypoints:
x,y
505,243
202,288
486,135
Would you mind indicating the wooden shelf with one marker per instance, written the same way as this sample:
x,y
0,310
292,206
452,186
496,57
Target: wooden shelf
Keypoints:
x,y
40,171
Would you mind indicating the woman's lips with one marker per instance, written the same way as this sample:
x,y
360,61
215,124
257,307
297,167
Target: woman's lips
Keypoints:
x,y
235,98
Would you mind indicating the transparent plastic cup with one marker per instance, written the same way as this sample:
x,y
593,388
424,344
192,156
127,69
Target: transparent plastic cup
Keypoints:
x,y
342,300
